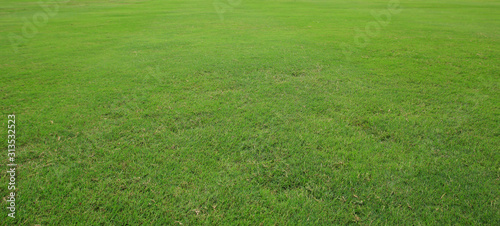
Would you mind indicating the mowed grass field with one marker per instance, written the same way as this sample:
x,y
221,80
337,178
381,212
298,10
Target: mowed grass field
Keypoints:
x,y
184,112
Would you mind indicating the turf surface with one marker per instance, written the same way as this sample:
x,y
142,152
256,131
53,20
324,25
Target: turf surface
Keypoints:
x,y
252,112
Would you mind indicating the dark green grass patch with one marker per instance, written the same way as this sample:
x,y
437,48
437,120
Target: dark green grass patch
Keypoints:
x,y
159,112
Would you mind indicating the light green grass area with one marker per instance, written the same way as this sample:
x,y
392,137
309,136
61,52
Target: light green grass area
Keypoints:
x,y
166,112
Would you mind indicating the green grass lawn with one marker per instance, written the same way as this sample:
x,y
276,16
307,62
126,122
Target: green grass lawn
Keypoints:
x,y
251,112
